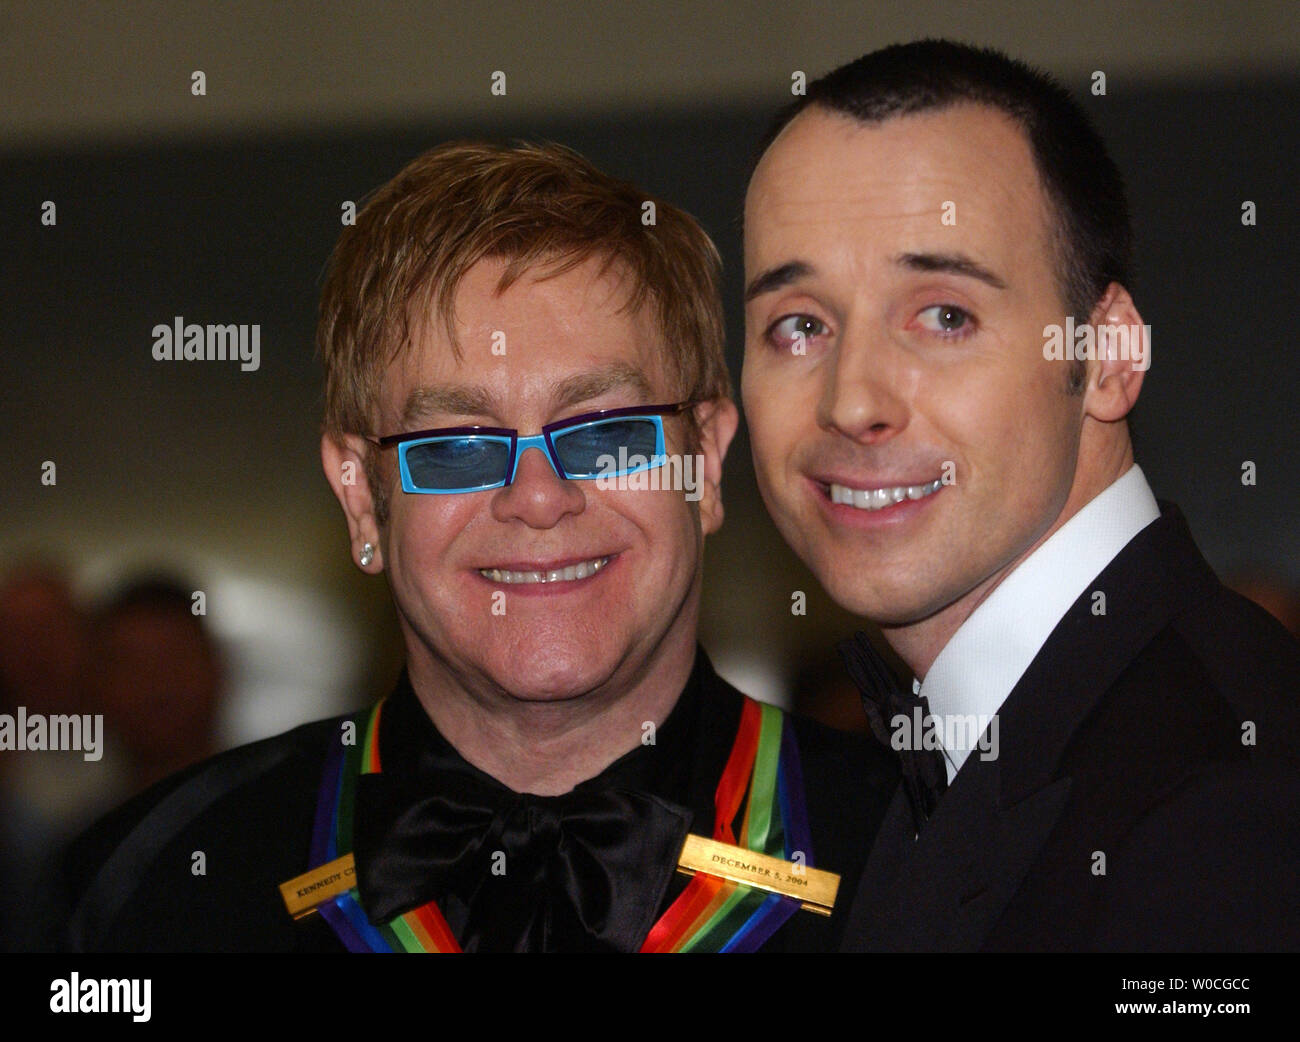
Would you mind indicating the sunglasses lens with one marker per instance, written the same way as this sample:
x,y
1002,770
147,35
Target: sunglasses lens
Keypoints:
x,y
607,446
457,464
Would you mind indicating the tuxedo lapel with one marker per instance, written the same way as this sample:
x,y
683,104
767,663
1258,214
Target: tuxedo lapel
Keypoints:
x,y
1157,575
943,890
876,904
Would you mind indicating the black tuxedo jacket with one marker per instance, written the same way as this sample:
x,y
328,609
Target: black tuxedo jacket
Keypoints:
x,y
1145,795
127,884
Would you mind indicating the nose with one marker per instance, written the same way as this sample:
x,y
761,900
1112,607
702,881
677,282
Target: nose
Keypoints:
x,y
538,496
861,397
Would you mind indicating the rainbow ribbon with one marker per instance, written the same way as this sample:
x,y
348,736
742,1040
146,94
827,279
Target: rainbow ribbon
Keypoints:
x,y
710,915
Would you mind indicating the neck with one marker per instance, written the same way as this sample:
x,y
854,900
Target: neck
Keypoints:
x,y
548,747
919,643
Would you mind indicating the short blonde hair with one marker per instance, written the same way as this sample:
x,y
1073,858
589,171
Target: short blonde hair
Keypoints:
x,y
536,206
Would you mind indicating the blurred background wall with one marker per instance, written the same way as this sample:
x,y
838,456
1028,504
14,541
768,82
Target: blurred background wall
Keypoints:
x,y
223,208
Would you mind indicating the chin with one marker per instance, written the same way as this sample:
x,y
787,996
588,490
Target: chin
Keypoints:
x,y
857,589
873,605
551,677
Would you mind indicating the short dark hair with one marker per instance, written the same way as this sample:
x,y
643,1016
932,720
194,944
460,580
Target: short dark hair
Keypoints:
x,y
1093,237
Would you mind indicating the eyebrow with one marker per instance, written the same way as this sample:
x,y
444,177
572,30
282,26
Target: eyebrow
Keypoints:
x,y
949,263
615,376
473,400
427,401
776,278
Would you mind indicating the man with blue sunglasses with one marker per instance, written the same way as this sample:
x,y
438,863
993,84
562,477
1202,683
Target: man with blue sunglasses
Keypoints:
x,y
527,412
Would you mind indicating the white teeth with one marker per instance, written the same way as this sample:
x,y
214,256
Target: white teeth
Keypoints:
x,y
555,575
879,498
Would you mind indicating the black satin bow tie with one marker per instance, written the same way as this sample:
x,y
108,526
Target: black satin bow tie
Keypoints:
x,y
586,871
925,777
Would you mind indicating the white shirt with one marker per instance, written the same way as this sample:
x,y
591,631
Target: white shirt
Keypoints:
x,y
981,663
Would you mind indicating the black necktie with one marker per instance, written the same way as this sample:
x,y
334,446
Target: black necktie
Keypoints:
x,y
925,778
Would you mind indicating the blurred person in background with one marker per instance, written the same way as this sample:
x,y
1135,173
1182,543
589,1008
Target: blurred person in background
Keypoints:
x,y
157,679
822,690
1276,596
42,792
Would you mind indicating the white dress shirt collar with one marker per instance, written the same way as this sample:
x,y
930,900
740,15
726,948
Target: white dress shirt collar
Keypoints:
x,y
981,663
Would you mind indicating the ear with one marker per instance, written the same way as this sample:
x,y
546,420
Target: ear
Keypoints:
x,y
717,421
1123,355
343,458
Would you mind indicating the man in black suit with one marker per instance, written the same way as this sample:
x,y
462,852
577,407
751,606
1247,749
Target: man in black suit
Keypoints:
x,y
941,353
527,410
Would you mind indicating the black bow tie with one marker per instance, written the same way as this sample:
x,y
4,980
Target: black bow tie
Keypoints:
x,y
925,777
585,871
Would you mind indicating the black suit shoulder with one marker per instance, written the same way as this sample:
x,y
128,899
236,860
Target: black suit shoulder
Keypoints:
x,y
1183,796
1221,832
1253,662
193,862
1214,690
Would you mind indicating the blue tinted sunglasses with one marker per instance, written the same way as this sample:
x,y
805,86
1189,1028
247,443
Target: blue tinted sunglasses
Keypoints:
x,y
605,444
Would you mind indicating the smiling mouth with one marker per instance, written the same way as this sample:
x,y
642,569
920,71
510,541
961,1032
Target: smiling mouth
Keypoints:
x,y
569,573
879,498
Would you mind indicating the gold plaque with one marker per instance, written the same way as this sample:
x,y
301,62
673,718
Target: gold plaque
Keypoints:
x,y
303,893
814,887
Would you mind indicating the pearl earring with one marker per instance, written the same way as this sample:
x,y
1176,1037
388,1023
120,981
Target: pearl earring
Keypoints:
x,y
367,554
